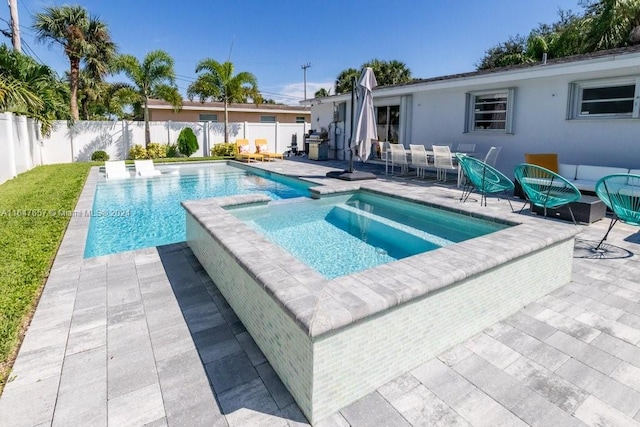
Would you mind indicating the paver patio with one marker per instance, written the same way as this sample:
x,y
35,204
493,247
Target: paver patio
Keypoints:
x,y
145,338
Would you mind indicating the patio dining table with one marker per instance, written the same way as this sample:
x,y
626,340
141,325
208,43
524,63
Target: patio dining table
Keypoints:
x,y
429,154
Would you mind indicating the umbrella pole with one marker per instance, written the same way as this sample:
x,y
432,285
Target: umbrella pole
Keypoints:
x,y
351,148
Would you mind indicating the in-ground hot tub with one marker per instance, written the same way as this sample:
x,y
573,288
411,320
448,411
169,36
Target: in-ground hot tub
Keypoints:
x,y
332,341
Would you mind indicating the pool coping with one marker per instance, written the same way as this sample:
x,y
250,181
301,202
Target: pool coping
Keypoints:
x,y
320,306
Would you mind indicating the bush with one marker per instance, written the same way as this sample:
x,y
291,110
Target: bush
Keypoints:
x,y
187,142
172,150
156,150
99,156
138,152
225,149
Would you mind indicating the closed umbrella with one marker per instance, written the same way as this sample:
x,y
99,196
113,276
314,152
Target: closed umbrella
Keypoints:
x,y
366,120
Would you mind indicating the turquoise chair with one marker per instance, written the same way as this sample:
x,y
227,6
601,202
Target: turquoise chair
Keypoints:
x,y
621,194
483,178
545,188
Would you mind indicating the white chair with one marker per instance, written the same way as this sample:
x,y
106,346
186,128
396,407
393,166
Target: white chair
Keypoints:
x,y
116,169
419,159
492,156
145,169
443,162
466,148
384,154
399,158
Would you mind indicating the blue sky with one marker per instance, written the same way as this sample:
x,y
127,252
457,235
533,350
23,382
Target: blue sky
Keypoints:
x,y
274,38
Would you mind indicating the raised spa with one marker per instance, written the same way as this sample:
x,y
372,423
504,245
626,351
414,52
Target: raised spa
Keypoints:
x,y
334,340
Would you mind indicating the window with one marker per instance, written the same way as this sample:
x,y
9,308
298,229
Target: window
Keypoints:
x,y
267,119
388,122
208,117
612,98
300,119
490,111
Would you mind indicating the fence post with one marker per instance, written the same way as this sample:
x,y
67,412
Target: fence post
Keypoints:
x,y
244,129
169,132
275,148
8,136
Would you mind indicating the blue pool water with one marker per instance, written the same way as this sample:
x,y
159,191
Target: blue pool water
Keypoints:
x,y
138,213
343,234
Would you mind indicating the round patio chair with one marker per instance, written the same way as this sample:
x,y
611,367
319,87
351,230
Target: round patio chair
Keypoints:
x,y
545,188
621,194
484,178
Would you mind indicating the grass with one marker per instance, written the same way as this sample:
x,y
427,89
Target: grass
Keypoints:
x,y
29,240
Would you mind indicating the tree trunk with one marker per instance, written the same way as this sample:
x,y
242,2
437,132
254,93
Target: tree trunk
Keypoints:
x,y
226,122
147,132
73,86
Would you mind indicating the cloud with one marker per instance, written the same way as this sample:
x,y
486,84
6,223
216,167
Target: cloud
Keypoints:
x,y
293,93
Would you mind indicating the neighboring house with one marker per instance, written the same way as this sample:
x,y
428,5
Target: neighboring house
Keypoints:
x,y
238,113
586,108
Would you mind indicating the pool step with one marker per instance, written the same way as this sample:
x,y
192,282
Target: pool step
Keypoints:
x,y
432,238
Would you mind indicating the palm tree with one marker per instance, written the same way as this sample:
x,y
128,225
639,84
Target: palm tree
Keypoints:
x,y
609,23
83,37
30,89
321,93
154,77
217,82
344,82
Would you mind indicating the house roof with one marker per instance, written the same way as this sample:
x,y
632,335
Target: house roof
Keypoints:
x,y
157,104
549,64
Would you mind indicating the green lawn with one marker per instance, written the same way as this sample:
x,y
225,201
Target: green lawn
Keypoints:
x,y
28,244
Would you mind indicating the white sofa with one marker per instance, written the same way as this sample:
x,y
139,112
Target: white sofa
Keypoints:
x,y
584,177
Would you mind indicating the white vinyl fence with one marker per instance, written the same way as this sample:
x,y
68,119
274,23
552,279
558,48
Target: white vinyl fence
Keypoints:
x,y
117,137
23,146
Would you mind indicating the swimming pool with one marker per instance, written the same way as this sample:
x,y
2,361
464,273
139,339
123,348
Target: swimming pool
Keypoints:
x,y
340,235
140,213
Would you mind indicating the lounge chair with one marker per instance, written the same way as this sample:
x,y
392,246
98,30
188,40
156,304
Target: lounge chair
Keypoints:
x,y
116,169
244,151
545,188
483,178
621,194
261,148
145,169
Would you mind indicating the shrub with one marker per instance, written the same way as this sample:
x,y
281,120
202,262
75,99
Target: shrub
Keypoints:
x,y
172,150
187,142
138,152
99,156
225,149
156,150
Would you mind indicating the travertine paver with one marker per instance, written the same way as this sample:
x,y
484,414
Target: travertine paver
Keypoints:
x,y
145,338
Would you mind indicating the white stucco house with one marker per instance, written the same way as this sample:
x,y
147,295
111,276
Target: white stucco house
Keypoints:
x,y
585,108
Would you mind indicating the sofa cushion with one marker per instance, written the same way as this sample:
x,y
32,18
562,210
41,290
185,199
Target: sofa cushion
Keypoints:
x,y
594,173
584,184
634,171
567,171
546,160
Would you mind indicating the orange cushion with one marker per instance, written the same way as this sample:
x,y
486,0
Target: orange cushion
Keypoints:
x,y
546,160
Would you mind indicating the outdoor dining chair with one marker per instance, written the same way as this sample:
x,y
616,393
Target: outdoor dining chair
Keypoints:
x,y
492,156
399,158
443,162
466,148
545,188
419,159
483,178
621,194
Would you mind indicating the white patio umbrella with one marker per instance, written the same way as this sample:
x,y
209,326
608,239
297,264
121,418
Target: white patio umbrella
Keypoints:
x,y
365,120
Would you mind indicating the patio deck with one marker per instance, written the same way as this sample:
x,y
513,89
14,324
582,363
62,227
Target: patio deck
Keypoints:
x,y
145,338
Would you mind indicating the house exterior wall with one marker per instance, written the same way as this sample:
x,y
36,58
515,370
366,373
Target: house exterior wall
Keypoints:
x,y
234,116
540,125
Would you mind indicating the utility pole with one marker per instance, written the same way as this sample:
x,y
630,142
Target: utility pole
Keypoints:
x,y
15,25
304,68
